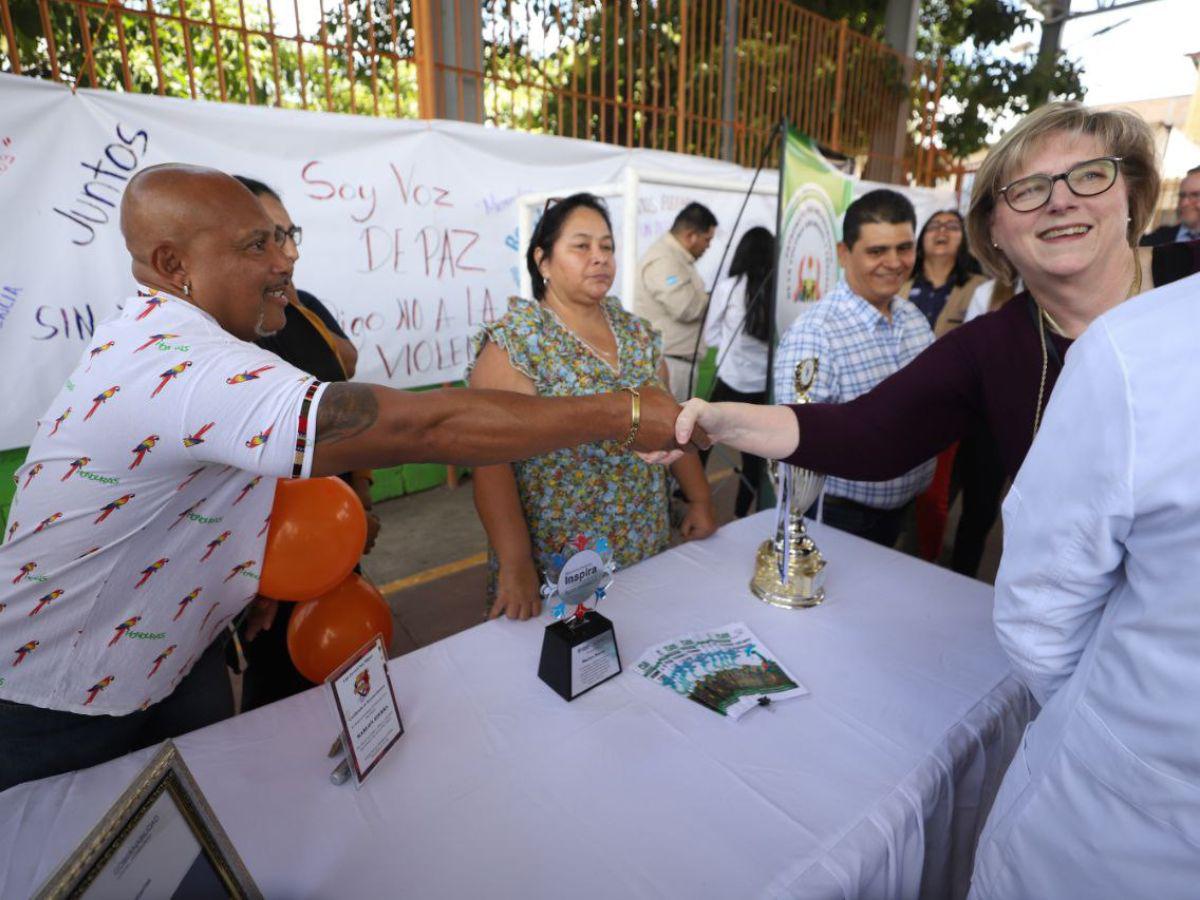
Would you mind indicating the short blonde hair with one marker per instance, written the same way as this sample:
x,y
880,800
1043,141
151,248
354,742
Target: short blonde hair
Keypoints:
x,y
1122,133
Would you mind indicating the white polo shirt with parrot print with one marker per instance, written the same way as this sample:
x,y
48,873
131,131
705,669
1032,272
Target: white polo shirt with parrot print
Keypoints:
x,y
140,516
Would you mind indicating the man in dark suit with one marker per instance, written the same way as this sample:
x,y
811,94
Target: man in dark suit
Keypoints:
x,y
1188,228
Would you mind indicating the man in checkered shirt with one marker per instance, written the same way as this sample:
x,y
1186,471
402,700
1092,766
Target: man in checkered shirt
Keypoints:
x,y
860,334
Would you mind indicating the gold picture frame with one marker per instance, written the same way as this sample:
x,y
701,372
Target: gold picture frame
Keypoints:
x,y
213,861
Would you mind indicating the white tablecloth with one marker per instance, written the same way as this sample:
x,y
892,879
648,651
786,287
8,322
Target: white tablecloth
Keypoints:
x,y
876,785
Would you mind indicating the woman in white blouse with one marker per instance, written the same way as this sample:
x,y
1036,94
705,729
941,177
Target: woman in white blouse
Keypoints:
x,y
739,326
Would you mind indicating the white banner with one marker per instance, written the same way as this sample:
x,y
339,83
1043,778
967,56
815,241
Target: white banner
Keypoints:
x,y
410,227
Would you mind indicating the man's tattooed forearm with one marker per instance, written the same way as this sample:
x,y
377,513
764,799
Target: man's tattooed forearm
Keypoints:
x,y
345,410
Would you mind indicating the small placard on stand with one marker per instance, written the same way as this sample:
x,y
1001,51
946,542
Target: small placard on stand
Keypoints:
x,y
578,654
160,839
365,703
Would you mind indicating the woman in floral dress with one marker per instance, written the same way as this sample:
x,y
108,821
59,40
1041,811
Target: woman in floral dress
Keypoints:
x,y
573,339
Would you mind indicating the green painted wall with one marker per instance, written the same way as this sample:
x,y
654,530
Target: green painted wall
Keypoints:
x,y
706,373
10,461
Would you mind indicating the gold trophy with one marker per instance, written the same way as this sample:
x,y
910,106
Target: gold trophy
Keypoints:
x,y
789,571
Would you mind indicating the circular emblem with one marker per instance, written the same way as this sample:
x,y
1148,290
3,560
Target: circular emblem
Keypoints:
x,y
581,575
581,572
808,252
806,376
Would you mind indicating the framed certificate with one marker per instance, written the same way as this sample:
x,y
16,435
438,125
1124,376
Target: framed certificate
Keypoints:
x,y
160,839
366,707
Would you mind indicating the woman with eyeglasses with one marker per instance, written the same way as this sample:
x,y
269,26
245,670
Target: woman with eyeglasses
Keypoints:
x,y
946,275
944,281
1060,202
572,338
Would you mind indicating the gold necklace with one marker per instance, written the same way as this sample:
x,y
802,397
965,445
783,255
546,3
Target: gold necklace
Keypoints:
x,y
613,361
1135,288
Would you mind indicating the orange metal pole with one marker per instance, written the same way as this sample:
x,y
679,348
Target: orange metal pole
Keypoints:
x,y
644,72
300,57
325,58
629,79
758,85
604,72
251,92
780,71
51,44
10,37
839,86
351,69
426,55
479,94
85,33
744,92
374,59
396,51
684,71
186,28
217,53
273,43
126,76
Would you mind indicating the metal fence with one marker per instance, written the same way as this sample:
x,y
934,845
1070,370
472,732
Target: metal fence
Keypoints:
x,y
706,77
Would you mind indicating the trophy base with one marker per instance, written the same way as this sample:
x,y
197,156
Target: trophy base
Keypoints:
x,y
805,587
577,656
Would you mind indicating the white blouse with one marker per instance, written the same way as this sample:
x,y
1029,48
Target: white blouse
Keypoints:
x,y
1097,607
741,359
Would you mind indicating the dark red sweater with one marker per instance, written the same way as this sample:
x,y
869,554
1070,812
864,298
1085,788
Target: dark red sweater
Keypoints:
x,y
983,374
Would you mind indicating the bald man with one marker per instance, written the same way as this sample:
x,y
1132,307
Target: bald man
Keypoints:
x,y
138,526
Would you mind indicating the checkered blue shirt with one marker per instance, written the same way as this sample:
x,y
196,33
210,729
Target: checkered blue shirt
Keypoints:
x,y
857,347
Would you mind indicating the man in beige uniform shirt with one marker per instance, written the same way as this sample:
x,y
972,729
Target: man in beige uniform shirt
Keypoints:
x,y
671,294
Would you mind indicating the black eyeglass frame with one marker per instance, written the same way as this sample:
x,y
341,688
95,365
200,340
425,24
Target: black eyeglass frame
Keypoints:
x,y
1064,177
296,233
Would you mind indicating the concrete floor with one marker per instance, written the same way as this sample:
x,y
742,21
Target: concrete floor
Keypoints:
x,y
429,560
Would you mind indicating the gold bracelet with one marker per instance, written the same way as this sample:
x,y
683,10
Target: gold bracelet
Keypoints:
x,y
635,419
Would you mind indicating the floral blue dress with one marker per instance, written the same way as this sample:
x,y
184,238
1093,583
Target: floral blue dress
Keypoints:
x,y
594,489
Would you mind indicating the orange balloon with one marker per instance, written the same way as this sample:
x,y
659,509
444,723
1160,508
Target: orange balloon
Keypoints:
x,y
323,633
318,529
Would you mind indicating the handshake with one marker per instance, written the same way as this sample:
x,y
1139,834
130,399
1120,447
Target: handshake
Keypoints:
x,y
656,439
667,428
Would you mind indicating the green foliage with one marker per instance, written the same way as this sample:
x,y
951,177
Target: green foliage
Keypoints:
x,y
986,86
865,16
981,86
538,75
210,60
645,83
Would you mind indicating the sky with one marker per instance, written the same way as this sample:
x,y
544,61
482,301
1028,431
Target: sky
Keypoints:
x,y
1140,59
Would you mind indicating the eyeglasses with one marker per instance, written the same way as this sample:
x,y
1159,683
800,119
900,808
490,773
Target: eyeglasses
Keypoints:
x,y
296,233
950,225
1085,179
1193,196
550,201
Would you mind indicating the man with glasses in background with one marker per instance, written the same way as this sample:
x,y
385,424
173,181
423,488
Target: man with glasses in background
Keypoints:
x,y
1188,210
311,340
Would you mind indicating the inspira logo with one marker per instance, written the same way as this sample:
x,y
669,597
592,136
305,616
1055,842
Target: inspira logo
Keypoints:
x,y
111,170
